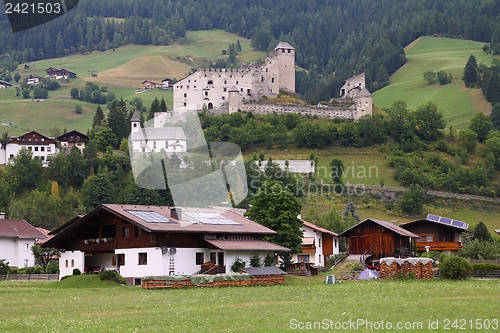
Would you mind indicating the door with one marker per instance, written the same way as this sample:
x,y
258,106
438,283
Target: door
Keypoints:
x,y
213,257
221,258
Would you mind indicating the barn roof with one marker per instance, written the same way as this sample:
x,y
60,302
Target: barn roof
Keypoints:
x,y
388,225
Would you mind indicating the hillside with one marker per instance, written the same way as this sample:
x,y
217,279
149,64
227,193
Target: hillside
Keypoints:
x,y
457,103
122,71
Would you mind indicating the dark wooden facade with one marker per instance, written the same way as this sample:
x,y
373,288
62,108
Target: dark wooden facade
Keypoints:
x,y
377,240
442,237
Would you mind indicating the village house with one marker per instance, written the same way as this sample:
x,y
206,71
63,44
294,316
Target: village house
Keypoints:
x,y
16,239
146,140
149,85
438,234
5,84
166,84
142,241
318,244
54,73
33,79
377,239
39,145
73,138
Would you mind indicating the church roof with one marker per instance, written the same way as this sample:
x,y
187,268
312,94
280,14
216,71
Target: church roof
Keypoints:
x,y
159,133
135,116
284,45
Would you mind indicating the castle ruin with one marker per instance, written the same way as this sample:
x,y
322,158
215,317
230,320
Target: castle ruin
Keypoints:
x,y
228,90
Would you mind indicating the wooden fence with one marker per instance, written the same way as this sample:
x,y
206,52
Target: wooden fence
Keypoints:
x,y
491,274
483,261
32,277
349,275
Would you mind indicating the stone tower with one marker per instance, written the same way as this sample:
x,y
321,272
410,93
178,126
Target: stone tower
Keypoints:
x,y
285,54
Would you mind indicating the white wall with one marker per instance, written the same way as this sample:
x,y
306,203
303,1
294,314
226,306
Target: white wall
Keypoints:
x,y
133,269
14,148
73,259
17,252
185,260
230,257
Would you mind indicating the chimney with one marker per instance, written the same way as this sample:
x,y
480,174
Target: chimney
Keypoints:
x,y
176,213
2,216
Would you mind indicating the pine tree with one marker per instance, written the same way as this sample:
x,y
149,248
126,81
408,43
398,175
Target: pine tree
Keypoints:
x,y
238,46
155,107
470,72
163,106
98,117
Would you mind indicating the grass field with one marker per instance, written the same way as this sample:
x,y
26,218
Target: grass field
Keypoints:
x,y
122,71
457,103
84,304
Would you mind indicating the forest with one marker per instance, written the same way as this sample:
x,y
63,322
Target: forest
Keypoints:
x,y
333,39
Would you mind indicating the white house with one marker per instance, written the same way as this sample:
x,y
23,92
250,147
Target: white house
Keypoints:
x,y
146,140
39,145
33,79
166,84
317,245
154,240
16,239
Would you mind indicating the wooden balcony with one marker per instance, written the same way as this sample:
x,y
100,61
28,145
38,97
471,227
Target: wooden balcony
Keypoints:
x,y
439,246
308,249
101,247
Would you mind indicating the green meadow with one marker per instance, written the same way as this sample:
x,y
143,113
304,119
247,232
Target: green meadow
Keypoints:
x,y
85,304
457,103
122,70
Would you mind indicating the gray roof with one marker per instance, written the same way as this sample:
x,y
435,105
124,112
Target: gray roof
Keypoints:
x,y
135,116
266,270
389,225
364,92
246,245
284,45
159,133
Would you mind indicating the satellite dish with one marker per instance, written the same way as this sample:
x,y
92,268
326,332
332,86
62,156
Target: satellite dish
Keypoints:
x,y
164,250
173,250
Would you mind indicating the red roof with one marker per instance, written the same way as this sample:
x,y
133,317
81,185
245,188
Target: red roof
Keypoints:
x,y
46,233
315,227
19,229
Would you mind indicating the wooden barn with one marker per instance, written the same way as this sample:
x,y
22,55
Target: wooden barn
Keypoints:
x,y
379,239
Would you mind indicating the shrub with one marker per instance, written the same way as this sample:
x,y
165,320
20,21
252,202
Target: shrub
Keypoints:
x,y
33,270
256,261
454,267
357,267
485,267
76,271
237,265
112,276
270,260
52,268
4,267
403,276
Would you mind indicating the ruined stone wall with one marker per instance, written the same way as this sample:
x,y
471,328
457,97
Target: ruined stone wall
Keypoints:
x,y
304,110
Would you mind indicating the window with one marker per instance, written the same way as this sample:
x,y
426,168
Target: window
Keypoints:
x,y
200,257
225,89
121,259
36,148
210,82
125,232
43,158
26,262
66,263
135,124
49,149
138,232
236,82
184,104
223,98
143,258
425,238
26,247
42,148
137,282
29,148
213,257
206,93
303,258
319,242
166,144
185,95
72,263
154,144
272,80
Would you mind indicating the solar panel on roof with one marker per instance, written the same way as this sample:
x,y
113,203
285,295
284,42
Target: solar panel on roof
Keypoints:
x,y
211,218
447,221
150,216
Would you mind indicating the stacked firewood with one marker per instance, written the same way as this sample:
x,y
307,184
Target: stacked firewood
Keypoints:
x,y
421,268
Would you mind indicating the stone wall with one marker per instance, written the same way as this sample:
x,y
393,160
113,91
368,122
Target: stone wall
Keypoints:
x,y
304,110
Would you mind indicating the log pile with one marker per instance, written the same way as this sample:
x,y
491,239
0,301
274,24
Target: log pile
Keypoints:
x,y
421,267
256,280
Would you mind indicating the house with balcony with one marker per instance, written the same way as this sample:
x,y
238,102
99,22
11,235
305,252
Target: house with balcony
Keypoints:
x,y
73,138
142,241
438,234
318,244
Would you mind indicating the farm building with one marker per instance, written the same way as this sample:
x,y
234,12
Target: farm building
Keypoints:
x,y
440,234
379,239
149,85
140,241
